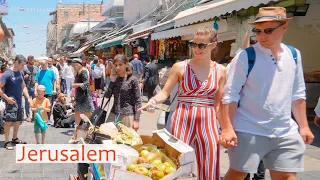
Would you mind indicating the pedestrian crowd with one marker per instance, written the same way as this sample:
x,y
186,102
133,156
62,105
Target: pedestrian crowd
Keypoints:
x,y
245,107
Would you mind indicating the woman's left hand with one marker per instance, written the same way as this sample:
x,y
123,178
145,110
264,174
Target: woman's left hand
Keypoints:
x,y
135,125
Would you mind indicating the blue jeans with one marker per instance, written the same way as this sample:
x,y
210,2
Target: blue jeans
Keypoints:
x,y
26,104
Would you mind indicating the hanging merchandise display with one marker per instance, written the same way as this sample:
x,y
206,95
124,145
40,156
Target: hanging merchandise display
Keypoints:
x,y
170,50
177,48
161,54
152,47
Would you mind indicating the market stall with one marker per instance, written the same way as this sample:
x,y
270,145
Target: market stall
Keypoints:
x,y
170,50
160,156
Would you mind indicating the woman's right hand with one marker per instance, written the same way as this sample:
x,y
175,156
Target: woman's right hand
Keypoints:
x,y
150,106
113,77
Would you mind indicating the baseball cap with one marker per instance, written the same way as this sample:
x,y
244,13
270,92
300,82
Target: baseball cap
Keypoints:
x,y
77,60
20,57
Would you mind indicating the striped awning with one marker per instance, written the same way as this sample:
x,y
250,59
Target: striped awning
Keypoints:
x,y
206,12
111,42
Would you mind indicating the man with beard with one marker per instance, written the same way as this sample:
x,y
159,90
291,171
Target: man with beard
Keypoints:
x,y
11,88
61,117
30,71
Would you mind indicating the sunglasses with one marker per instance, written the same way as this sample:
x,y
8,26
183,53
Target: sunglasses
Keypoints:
x,y
266,31
200,45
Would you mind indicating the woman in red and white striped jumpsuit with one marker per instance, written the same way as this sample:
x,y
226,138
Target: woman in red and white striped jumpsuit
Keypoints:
x,y
201,82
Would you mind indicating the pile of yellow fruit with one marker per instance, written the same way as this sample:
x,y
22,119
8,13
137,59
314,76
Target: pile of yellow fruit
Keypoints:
x,y
153,162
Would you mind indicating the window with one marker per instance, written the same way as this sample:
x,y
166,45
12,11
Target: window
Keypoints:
x,y
81,13
66,14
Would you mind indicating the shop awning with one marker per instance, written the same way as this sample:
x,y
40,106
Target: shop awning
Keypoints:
x,y
166,25
111,42
187,30
136,37
206,12
80,50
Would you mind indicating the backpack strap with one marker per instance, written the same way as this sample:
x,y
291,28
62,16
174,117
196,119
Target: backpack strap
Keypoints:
x,y
251,53
294,52
251,58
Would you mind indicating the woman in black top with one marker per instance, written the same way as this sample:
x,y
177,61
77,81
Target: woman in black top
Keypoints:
x,y
125,89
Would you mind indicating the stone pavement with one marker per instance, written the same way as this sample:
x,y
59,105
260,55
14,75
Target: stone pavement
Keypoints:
x,y
10,170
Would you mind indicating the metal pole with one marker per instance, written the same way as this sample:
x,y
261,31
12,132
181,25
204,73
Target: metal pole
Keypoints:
x,y
88,17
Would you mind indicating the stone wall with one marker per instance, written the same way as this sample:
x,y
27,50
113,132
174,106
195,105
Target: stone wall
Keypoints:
x,y
73,13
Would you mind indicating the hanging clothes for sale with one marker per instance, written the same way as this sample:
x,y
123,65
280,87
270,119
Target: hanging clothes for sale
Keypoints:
x,y
161,49
152,47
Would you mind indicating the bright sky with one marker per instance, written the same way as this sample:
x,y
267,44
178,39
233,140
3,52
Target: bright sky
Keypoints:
x,y
32,40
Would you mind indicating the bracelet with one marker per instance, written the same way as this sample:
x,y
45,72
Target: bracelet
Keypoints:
x,y
154,100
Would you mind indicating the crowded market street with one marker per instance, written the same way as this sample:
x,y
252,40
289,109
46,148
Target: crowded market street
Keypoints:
x,y
10,170
159,90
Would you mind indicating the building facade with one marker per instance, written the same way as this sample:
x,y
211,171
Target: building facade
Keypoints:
x,y
64,17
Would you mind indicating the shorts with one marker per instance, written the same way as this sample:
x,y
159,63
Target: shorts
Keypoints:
x,y
97,83
37,129
14,112
284,154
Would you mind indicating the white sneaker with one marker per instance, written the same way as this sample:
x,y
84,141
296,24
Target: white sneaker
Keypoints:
x,y
72,141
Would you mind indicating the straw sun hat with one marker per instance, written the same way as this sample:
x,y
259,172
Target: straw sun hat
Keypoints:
x,y
271,14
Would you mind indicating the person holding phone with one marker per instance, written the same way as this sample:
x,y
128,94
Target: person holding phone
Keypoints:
x,y
125,89
195,119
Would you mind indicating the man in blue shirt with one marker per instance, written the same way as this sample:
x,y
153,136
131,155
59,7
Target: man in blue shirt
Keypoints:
x,y
137,67
11,88
47,78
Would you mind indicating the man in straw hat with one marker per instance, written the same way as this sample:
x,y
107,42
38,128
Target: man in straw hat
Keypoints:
x,y
264,84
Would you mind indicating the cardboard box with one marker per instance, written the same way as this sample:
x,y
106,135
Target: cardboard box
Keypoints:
x,y
191,177
174,147
125,175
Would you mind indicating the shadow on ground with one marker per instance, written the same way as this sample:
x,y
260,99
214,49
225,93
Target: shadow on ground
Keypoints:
x,y
68,133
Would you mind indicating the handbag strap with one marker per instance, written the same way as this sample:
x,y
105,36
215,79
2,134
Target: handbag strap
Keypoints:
x,y
172,101
105,105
